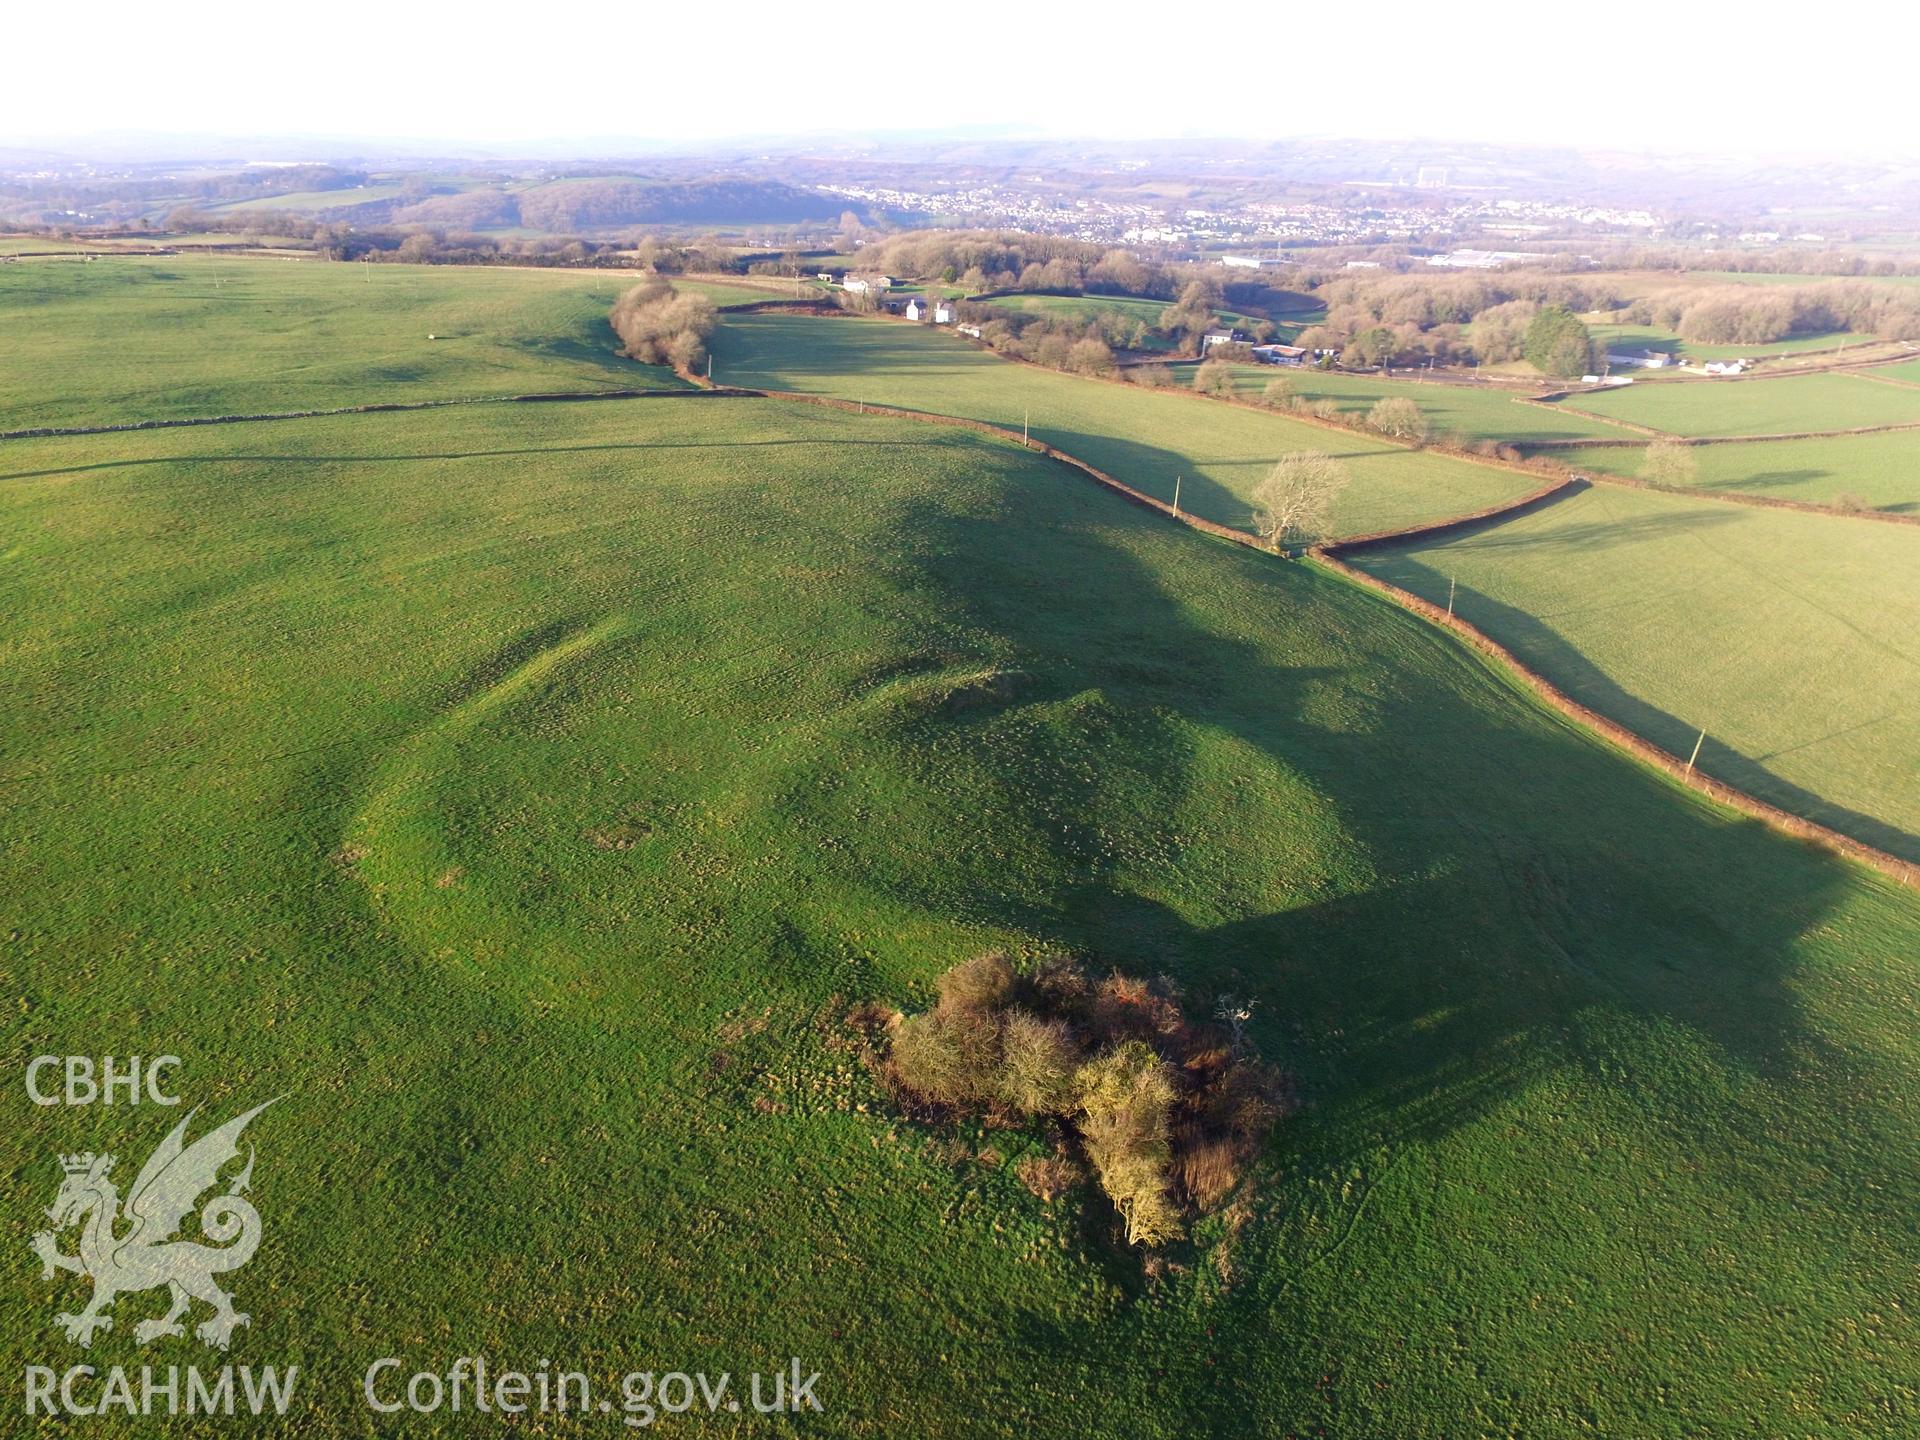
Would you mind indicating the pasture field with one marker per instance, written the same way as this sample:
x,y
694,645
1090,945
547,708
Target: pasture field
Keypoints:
x,y
1883,470
1785,406
316,200
1143,437
1647,337
1907,371
1474,412
27,244
181,336
1743,277
728,289
1789,638
528,791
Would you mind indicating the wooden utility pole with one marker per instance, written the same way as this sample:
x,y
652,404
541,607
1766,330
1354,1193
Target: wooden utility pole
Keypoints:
x,y
1025,416
1176,497
1452,581
1696,752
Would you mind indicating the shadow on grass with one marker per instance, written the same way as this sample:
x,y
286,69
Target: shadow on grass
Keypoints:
x,y
1548,652
1516,874
1512,897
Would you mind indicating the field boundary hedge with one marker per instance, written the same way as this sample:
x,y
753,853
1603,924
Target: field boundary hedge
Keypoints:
x,y
1715,439
1755,502
1338,427
1785,821
803,305
374,408
1505,510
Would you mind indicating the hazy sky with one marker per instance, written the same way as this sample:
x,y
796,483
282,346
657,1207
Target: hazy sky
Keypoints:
x,y
1696,76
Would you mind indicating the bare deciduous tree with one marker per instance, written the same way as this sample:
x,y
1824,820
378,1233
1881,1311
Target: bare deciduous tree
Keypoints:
x,y
659,326
1398,416
1294,503
1668,462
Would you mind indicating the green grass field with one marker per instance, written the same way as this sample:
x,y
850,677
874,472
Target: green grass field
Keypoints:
x,y
316,200
1634,338
1907,371
1789,638
142,339
1145,438
527,791
1754,407
1883,470
30,244
1477,414
1744,277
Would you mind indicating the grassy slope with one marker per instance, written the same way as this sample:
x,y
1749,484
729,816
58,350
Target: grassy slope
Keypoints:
x,y
1790,638
1612,1099
137,339
1883,470
1908,370
1755,407
1144,438
1478,414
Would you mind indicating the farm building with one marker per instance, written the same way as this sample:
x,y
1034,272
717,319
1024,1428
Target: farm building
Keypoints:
x,y
1482,259
1639,359
1225,335
1280,354
855,285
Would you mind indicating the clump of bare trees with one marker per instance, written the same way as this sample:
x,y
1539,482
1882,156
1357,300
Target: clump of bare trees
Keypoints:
x,y
1169,1111
1083,346
1760,315
1010,260
1294,504
1398,417
658,325
1668,462
1215,377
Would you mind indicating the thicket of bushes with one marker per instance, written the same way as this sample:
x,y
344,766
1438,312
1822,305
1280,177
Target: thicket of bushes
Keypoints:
x,y
1168,1111
659,326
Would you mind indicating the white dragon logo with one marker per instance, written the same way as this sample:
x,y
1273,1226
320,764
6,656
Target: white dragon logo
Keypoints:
x,y
148,1255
